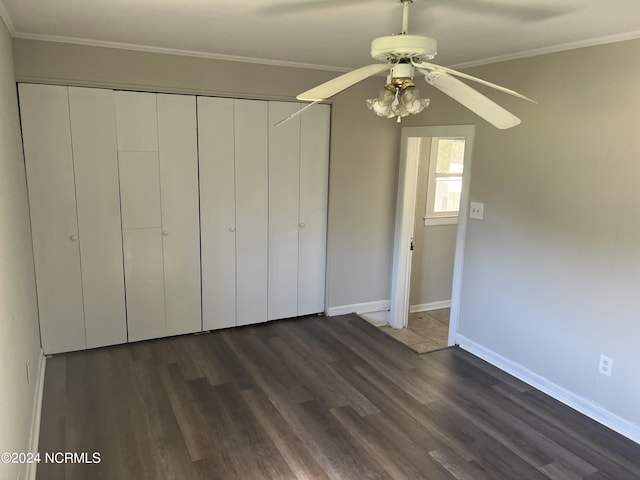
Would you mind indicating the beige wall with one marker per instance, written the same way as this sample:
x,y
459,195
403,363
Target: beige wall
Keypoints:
x,y
19,336
364,148
433,246
552,274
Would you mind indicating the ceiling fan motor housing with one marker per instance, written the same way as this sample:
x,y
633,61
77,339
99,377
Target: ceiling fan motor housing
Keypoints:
x,y
396,47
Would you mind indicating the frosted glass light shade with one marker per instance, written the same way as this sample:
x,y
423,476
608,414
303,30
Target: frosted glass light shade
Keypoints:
x,y
382,105
394,101
412,102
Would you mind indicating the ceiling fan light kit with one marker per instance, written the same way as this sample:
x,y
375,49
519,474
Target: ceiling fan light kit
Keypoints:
x,y
402,55
399,97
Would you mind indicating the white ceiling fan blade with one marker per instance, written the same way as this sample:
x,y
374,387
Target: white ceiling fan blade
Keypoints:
x,y
295,114
438,68
510,10
330,88
473,100
290,7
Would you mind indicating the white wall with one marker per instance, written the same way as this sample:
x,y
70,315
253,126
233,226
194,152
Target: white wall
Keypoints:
x,y
19,336
552,274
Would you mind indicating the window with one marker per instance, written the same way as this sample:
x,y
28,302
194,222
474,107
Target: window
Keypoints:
x,y
444,185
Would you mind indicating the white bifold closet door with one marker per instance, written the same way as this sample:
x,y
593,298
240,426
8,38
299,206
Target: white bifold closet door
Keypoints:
x,y
216,148
136,120
159,193
72,175
95,158
284,210
298,188
178,148
263,210
314,190
46,135
252,216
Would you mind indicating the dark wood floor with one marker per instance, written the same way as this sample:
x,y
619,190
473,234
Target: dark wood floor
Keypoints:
x,y
312,398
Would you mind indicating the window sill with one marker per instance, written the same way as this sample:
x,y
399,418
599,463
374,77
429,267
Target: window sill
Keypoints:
x,y
435,221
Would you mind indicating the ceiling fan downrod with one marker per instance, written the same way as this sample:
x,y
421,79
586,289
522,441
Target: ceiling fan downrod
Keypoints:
x,y
405,15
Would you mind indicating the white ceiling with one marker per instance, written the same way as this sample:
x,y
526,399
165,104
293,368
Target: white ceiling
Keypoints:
x,y
335,33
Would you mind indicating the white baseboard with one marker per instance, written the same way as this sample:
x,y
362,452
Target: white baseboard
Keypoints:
x,y
368,307
34,437
425,307
581,404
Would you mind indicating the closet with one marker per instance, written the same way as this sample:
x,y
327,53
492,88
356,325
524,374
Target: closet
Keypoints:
x,y
158,214
263,210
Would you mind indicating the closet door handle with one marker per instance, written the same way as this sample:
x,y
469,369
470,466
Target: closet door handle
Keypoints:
x,y
301,225
165,232
73,237
232,228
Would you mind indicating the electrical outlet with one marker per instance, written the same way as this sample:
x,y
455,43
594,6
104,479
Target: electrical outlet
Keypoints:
x,y
477,210
28,373
606,365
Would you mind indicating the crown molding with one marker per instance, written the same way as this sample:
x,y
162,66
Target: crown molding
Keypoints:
x,y
591,42
174,51
6,18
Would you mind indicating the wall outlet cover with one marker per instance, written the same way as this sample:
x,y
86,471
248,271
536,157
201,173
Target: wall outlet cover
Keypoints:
x,y
606,365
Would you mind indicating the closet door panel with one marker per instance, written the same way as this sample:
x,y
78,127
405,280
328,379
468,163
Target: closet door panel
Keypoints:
x,y
47,145
136,121
178,153
314,181
217,211
251,158
140,189
144,283
95,158
284,191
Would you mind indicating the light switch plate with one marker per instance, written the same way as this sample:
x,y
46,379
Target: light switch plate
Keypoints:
x,y
477,210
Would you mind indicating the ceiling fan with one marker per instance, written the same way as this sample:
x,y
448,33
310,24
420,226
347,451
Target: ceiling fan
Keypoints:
x,y
402,55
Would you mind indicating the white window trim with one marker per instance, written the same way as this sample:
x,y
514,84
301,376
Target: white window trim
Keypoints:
x,y
442,218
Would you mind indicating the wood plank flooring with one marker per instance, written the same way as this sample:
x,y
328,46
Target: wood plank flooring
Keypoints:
x,y
311,398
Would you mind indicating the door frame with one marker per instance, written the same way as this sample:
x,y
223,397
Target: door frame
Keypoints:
x,y
405,215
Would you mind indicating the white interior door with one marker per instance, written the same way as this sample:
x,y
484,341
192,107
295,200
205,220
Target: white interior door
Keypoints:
x,y
284,194
95,159
46,134
314,185
178,153
252,233
217,211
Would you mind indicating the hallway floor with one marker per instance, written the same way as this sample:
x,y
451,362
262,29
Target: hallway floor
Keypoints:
x,y
426,332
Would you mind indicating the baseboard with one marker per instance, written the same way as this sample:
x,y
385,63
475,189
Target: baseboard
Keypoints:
x,y
581,404
425,307
34,437
368,307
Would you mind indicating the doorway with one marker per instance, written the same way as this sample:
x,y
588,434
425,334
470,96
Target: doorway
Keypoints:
x,y
431,221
